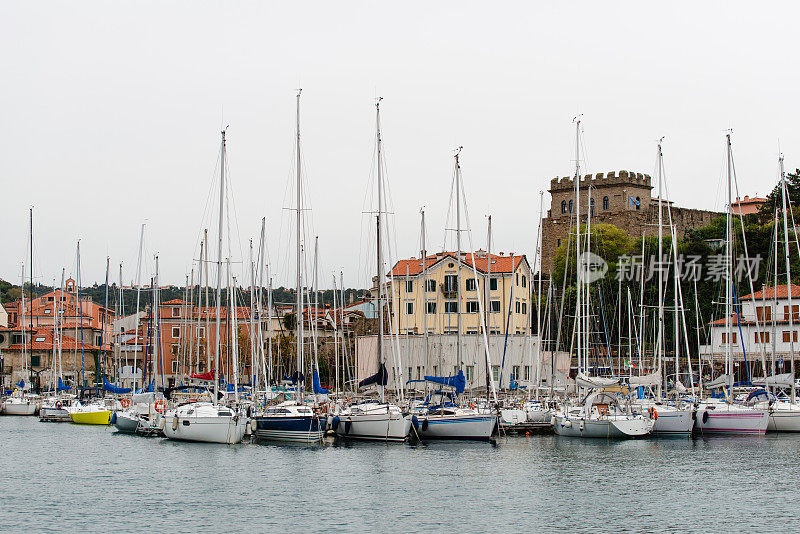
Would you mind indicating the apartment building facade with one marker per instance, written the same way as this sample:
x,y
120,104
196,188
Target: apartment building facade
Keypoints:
x,y
429,294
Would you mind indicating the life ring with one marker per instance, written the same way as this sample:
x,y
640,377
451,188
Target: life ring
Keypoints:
x,y
58,405
160,406
655,414
125,402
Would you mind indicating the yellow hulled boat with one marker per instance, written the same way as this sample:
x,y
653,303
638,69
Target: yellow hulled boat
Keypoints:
x,y
91,417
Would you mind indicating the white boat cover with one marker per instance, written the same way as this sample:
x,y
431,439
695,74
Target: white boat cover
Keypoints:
x,y
595,381
720,381
144,398
774,380
652,379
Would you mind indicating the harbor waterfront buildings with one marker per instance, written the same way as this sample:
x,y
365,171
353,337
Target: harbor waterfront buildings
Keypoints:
x,y
84,325
514,360
425,297
763,327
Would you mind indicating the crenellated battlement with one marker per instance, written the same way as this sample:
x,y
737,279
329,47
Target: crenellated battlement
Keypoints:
x,y
602,180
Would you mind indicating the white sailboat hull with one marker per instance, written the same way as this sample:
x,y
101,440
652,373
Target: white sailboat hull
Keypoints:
x,y
466,427
674,421
205,423
374,426
512,416
622,427
126,422
538,415
784,417
20,407
723,418
206,429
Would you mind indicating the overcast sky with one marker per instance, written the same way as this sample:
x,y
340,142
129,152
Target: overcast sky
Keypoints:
x,y
111,113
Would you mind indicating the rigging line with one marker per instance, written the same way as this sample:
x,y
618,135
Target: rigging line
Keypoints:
x,y
206,210
449,211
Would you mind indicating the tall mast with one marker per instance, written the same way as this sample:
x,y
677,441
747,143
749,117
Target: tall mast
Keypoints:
x,y
61,307
578,303
424,293
659,346
219,266
538,253
459,356
30,295
299,303
259,310
253,373
22,318
729,272
788,273
80,310
379,259
103,320
488,287
138,294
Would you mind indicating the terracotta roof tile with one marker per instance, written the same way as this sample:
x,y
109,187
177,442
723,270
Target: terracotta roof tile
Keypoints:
x,y
500,264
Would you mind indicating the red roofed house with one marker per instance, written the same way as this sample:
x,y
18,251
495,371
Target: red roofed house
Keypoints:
x,y
764,325
188,340
436,306
82,325
747,205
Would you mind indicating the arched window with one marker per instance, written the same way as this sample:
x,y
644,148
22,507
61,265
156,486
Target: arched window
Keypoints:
x,y
563,206
591,203
605,203
570,206
638,203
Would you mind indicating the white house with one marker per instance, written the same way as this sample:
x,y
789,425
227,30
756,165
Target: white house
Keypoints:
x,y
762,328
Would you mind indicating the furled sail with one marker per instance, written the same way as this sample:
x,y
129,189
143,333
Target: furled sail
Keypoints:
x,y
61,386
775,380
111,388
720,381
595,381
459,382
653,379
318,389
203,376
381,378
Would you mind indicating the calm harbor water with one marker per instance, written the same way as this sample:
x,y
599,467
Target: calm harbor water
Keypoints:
x,y
58,477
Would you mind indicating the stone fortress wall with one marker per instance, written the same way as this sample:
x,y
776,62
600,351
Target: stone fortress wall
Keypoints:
x,y
611,193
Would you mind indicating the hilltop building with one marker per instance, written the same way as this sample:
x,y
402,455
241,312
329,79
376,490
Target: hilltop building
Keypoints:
x,y
623,199
748,205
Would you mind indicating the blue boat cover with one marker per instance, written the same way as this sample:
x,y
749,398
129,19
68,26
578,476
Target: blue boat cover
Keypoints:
x,y
149,388
318,389
380,378
459,382
21,384
61,385
111,388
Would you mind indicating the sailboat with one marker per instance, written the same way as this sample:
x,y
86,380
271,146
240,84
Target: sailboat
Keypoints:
x,y
600,414
723,416
784,414
378,421
293,420
672,418
445,418
210,422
